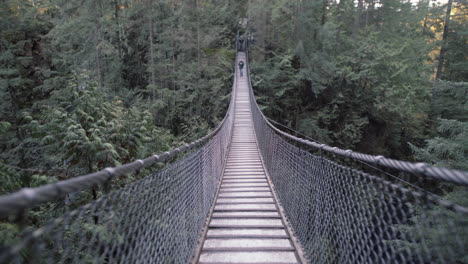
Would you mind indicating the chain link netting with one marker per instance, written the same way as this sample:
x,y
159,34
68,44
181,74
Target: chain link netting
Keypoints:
x,y
343,215
158,219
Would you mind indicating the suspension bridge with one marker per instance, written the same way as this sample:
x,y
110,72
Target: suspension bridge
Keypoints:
x,y
247,192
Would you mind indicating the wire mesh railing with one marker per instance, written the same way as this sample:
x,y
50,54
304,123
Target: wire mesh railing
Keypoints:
x,y
158,219
341,214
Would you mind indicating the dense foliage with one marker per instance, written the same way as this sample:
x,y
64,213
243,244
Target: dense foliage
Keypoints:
x,y
90,84
94,83
361,75
355,76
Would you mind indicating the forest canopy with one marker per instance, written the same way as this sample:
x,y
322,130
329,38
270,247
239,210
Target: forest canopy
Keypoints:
x,y
88,84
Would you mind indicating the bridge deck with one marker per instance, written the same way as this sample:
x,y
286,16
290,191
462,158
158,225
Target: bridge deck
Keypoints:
x,y
246,225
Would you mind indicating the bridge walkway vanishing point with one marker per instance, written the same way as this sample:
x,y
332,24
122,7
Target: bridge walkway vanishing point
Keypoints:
x,y
246,225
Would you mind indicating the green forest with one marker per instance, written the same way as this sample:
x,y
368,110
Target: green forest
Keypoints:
x,y
90,84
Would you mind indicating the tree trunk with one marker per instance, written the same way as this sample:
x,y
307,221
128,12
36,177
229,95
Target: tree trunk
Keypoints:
x,y
370,12
119,35
357,18
198,32
443,48
98,62
153,77
322,23
324,12
174,85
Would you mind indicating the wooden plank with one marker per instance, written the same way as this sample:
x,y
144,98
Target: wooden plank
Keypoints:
x,y
247,244
257,257
246,222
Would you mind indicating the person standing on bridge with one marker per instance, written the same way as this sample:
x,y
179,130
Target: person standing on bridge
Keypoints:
x,y
241,67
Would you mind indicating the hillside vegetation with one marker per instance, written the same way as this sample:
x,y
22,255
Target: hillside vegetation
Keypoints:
x,y
88,84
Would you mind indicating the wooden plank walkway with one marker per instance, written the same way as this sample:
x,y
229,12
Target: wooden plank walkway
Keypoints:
x,y
246,225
